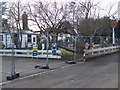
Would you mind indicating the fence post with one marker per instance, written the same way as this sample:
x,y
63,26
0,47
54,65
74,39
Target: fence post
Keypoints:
x,y
4,52
84,57
13,73
47,62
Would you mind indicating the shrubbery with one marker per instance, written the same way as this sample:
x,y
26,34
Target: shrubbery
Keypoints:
x,y
1,45
79,47
40,44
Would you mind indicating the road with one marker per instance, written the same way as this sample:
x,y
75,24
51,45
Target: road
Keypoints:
x,y
101,72
25,66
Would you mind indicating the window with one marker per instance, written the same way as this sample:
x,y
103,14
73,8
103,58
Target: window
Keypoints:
x,y
38,39
1,37
33,39
15,36
29,38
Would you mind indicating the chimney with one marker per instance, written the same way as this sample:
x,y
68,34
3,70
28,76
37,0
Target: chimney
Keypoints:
x,y
25,21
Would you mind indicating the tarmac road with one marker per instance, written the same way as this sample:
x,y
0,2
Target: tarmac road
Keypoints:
x,y
25,66
99,73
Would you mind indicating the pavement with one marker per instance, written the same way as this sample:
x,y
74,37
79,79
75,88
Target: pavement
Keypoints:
x,y
101,72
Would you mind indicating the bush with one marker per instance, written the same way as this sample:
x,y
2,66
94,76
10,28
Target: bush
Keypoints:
x,y
104,43
79,47
1,45
40,44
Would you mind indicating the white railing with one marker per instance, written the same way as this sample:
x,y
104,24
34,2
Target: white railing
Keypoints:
x,y
100,51
29,53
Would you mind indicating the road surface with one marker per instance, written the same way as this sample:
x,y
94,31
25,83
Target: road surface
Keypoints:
x,y
101,72
25,66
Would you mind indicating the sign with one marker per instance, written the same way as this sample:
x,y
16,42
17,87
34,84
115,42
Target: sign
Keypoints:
x,y
113,23
54,48
35,51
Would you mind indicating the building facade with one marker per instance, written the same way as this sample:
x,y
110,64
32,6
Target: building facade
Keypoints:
x,y
27,41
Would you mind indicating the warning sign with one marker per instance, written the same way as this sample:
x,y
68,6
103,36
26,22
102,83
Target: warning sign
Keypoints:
x,y
35,49
113,23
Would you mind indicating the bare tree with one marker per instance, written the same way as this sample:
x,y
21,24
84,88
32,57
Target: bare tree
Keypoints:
x,y
14,14
48,16
87,6
110,11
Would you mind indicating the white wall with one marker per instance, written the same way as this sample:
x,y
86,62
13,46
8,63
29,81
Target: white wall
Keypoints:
x,y
9,41
24,40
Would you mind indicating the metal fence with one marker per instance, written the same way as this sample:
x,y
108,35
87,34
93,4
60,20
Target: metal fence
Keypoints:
x,y
66,46
65,41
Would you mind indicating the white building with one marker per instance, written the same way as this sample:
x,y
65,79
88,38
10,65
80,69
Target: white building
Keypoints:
x,y
28,39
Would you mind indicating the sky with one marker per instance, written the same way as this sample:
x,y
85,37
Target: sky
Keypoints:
x,y
104,4
105,1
